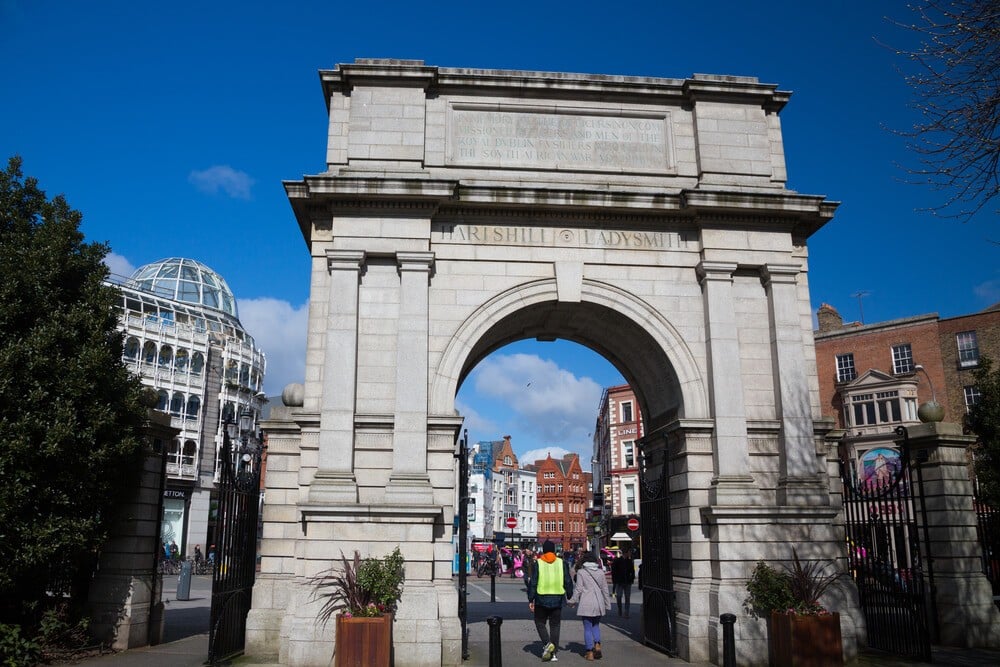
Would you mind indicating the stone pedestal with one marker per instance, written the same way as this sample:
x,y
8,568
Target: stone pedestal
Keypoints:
x,y
961,594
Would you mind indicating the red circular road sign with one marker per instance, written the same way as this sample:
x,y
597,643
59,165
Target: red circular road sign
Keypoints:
x,y
633,524
511,522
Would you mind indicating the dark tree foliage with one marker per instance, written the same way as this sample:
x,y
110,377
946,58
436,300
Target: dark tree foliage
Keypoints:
x,y
984,420
70,412
955,74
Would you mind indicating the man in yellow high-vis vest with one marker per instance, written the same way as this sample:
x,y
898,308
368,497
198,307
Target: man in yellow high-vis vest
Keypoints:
x,y
548,588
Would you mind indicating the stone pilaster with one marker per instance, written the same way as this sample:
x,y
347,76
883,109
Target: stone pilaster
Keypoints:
x,y
733,484
334,480
966,614
800,482
409,482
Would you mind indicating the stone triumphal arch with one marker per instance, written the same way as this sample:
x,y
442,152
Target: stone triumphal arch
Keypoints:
x,y
648,219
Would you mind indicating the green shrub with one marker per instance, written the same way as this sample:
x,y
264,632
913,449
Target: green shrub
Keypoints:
x,y
15,650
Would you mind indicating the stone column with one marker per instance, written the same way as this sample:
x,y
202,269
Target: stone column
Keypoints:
x,y
409,482
733,484
966,614
800,482
334,481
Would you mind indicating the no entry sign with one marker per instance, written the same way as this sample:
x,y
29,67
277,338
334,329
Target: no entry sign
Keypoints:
x,y
511,522
633,524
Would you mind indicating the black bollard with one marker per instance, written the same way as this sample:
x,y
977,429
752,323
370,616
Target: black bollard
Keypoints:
x,y
728,640
493,587
496,654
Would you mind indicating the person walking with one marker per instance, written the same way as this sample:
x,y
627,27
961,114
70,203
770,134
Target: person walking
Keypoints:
x,y
622,576
594,600
548,588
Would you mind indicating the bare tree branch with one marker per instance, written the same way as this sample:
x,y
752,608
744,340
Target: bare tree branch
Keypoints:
x,y
955,74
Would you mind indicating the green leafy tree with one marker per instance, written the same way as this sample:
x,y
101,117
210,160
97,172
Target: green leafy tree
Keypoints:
x,y
955,74
71,414
984,420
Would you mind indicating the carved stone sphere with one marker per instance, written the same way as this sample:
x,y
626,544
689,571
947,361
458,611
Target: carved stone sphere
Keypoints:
x,y
293,395
931,411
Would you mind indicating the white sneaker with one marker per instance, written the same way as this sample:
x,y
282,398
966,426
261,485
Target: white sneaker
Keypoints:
x,y
549,653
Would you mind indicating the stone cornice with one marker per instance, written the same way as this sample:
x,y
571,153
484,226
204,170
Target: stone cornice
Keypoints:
x,y
396,513
763,514
318,198
450,80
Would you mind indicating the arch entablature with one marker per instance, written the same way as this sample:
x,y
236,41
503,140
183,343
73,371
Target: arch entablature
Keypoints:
x,y
626,330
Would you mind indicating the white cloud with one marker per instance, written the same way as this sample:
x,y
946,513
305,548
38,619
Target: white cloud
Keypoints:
x,y
235,183
475,422
552,408
118,265
988,292
280,330
532,455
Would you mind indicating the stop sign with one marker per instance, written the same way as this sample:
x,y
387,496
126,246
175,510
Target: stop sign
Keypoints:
x,y
633,524
511,522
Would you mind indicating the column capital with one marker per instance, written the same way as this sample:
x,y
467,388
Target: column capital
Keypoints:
x,y
715,271
779,273
415,261
345,260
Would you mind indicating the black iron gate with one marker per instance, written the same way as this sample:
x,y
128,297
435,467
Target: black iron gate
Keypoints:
x,y
885,521
988,529
236,548
463,532
656,572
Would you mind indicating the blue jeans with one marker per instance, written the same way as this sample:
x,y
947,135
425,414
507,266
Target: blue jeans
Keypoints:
x,y
591,631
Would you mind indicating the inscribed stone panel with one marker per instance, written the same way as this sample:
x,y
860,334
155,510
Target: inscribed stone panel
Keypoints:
x,y
510,136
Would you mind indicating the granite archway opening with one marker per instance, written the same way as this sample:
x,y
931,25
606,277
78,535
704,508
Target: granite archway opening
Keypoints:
x,y
646,367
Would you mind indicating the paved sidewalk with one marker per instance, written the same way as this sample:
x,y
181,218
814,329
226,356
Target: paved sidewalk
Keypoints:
x,y
187,622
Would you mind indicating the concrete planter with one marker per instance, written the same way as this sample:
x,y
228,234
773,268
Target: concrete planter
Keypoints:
x,y
806,640
363,642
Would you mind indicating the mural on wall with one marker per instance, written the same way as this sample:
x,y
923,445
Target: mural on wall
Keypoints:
x,y
880,466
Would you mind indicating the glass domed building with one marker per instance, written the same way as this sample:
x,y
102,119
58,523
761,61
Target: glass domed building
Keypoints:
x,y
183,337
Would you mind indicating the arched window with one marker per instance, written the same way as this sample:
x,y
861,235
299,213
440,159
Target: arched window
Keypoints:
x,y
166,355
149,352
177,404
161,400
197,363
193,406
174,455
189,453
131,348
181,360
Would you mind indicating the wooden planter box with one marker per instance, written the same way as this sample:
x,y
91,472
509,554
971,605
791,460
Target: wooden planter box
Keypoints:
x,y
363,642
806,641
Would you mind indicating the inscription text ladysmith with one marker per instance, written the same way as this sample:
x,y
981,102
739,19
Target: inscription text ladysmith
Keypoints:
x,y
539,236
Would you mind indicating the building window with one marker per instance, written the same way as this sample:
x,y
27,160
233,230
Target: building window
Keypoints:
x,y
506,460
627,412
968,348
131,348
560,488
845,367
972,396
562,525
629,448
879,408
902,359
630,498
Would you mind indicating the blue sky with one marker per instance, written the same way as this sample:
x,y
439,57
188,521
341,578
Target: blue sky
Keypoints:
x,y
172,125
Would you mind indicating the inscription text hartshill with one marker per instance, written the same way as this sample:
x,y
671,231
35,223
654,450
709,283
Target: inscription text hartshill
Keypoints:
x,y
540,236
534,139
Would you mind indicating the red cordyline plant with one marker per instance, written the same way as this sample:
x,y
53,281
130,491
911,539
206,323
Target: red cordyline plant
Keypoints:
x,y
797,590
364,587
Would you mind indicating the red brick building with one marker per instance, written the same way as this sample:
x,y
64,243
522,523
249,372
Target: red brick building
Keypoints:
x,y
616,433
563,490
870,378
